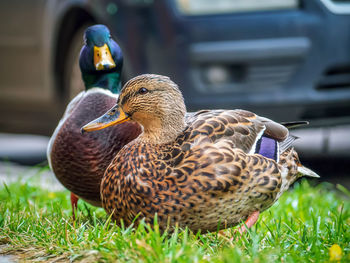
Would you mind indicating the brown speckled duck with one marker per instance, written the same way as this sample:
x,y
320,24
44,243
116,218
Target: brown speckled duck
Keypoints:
x,y
217,167
79,161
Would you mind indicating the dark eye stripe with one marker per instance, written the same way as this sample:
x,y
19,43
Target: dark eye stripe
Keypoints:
x,y
125,99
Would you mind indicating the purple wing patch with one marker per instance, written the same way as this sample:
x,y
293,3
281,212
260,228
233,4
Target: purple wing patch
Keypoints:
x,y
267,147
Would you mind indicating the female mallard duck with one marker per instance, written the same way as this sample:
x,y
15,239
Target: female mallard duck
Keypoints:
x,y
80,161
219,166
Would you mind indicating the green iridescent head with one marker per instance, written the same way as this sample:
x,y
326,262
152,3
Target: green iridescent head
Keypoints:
x,y
101,59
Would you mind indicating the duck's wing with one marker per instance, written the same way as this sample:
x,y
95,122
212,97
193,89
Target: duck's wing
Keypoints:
x,y
243,128
70,108
229,180
214,159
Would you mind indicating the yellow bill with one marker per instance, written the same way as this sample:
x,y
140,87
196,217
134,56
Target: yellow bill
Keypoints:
x,y
112,117
103,58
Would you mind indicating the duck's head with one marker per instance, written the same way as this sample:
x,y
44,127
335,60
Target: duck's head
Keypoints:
x,y
101,59
154,101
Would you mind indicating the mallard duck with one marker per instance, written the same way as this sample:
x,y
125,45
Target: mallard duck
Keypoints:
x,y
210,171
78,161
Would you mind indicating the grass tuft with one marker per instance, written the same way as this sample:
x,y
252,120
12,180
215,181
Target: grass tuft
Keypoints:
x,y
308,224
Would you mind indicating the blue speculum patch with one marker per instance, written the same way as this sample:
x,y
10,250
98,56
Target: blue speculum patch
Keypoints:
x,y
267,147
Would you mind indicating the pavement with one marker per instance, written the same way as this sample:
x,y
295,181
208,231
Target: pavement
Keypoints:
x,y
4,258
7,258
25,149
12,172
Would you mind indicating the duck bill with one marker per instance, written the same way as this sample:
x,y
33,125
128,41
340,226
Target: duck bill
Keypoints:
x,y
113,117
102,58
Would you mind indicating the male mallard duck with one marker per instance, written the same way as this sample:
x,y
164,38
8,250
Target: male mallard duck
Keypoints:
x,y
218,167
80,161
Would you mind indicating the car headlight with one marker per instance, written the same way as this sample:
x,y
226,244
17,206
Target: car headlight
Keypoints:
x,y
208,7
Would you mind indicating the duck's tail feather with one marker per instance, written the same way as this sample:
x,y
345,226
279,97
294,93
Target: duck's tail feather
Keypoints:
x,y
287,143
294,124
284,145
307,172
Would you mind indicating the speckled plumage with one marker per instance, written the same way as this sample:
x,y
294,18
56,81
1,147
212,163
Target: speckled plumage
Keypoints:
x,y
208,177
199,180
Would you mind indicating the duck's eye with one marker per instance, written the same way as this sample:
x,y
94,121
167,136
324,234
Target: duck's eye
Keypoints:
x,y
143,90
110,36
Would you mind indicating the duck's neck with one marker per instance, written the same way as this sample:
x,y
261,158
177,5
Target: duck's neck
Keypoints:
x,y
110,81
158,132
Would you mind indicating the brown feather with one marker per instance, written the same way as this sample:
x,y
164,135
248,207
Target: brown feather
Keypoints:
x,y
79,161
212,179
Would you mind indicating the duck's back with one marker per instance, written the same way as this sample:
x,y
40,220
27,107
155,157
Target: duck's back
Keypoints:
x,y
79,160
243,128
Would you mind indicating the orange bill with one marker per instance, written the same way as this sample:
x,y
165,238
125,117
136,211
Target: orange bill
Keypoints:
x,y
112,117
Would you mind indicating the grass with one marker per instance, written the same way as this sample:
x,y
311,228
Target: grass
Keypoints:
x,y
36,224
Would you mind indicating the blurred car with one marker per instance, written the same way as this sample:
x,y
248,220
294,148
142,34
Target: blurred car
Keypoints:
x,y
286,59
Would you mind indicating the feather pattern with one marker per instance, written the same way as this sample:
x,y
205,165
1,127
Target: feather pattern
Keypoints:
x,y
204,177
